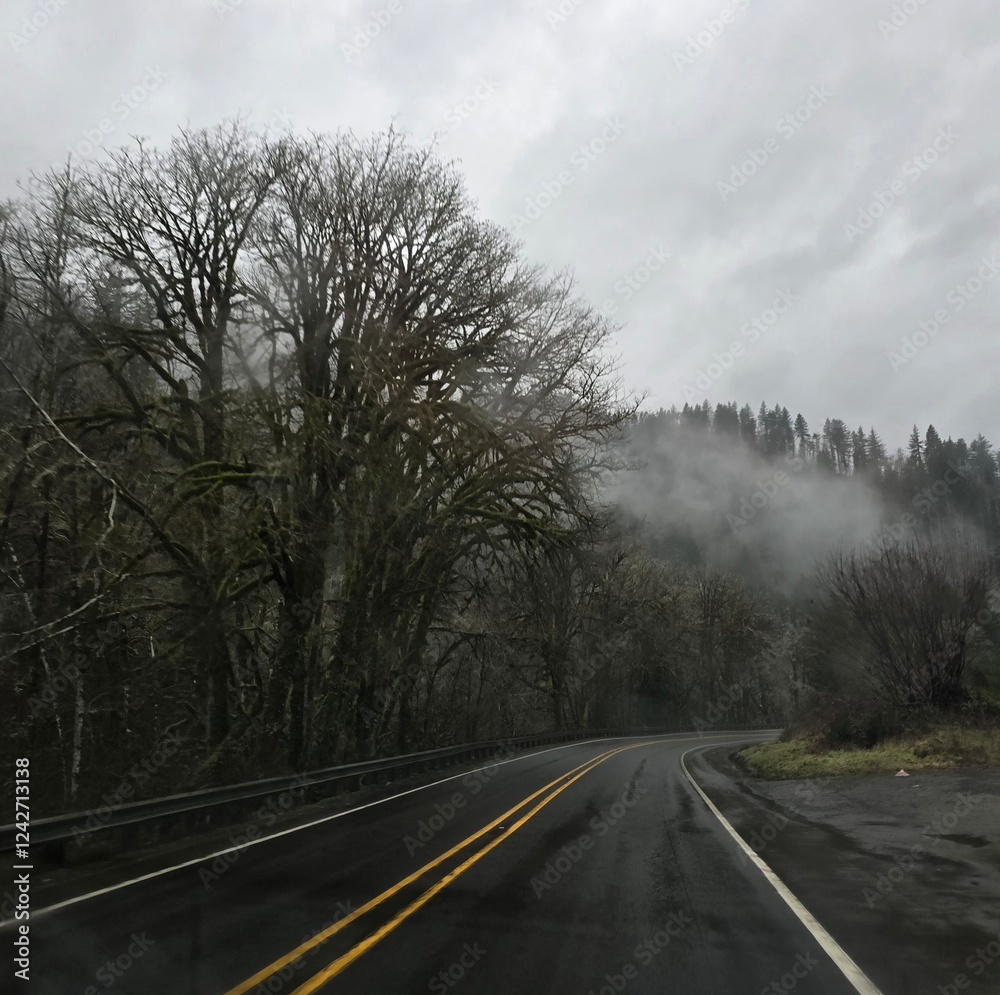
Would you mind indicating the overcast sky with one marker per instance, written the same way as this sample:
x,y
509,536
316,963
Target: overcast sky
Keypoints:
x,y
828,171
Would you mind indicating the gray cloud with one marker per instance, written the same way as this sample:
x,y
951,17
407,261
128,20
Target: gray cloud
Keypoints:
x,y
892,87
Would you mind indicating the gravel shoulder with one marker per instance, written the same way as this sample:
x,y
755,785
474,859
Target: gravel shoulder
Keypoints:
x,y
909,866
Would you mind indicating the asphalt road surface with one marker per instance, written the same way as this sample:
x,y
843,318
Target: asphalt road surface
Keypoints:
x,y
592,869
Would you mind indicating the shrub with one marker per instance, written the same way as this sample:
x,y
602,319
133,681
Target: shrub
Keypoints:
x,y
842,723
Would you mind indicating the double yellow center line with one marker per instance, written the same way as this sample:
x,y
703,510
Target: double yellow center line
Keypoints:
x,y
553,788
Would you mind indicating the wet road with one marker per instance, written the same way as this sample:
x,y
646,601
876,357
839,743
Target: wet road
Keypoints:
x,y
594,868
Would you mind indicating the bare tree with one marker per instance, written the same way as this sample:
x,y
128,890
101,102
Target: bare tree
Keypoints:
x,y
311,403
915,606
444,400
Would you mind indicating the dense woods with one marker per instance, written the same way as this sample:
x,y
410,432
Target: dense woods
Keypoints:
x,y
301,462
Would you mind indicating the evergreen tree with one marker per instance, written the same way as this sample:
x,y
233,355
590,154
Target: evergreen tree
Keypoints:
x,y
837,441
763,429
748,425
915,457
785,431
981,460
726,420
877,455
697,417
802,434
934,454
859,454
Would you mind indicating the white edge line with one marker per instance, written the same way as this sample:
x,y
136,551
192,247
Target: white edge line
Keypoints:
x,y
282,832
861,982
307,825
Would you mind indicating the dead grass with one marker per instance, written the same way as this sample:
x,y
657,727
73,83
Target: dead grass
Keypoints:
x,y
943,747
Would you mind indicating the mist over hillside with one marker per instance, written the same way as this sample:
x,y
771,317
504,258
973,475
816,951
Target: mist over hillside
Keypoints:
x,y
722,492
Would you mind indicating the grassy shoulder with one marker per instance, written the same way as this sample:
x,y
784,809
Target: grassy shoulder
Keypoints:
x,y
941,748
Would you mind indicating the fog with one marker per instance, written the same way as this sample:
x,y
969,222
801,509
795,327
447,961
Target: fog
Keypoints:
x,y
711,499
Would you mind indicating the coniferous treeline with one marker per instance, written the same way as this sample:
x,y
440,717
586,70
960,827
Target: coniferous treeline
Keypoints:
x,y
937,481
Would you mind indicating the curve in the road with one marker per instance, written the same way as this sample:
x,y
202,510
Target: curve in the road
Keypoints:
x,y
558,786
617,874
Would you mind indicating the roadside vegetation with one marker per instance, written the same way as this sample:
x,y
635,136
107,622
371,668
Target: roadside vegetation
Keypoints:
x,y
856,738
905,640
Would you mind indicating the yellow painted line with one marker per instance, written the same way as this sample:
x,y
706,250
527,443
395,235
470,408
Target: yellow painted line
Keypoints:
x,y
332,970
246,844
319,938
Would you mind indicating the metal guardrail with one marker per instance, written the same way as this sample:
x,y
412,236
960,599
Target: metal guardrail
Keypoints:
x,y
60,838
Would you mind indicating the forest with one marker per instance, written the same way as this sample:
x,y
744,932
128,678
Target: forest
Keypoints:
x,y
302,462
